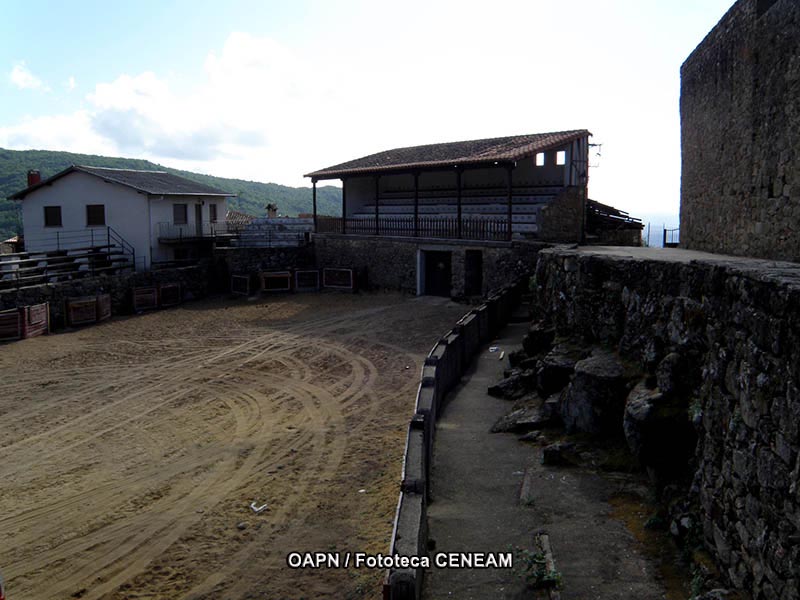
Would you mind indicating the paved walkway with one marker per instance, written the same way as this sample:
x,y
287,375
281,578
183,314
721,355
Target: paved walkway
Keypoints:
x,y
476,482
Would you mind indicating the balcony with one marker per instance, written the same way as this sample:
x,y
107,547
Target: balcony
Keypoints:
x,y
172,233
469,228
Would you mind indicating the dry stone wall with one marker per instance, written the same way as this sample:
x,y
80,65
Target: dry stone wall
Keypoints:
x,y
740,129
728,338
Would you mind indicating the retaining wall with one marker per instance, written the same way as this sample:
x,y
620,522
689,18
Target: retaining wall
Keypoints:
x,y
442,370
736,328
391,263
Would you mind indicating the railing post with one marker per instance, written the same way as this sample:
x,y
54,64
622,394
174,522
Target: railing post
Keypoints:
x,y
58,240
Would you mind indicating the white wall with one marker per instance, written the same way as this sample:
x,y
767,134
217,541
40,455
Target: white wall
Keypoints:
x,y
131,214
161,211
125,212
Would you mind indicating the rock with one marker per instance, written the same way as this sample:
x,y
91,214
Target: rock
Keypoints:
x,y
595,400
551,409
515,357
652,423
675,375
520,421
716,594
558,453
531,436
241,526
556,368
539,339
516,385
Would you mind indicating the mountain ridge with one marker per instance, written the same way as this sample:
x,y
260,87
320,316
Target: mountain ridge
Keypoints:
x,y
252,196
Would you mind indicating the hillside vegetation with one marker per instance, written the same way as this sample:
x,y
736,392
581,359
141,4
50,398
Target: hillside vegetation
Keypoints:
x,y
253,196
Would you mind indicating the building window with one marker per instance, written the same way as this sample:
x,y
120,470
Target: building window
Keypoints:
x,y
212,213
52,216
180,214
540,159
561,158
95,215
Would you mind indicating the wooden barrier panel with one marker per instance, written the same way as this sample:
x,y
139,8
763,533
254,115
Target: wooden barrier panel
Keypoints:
x,y
103,307
81,311
169,294
35,320
145,298
469,328
10,325
339,279
482,315
276,281
240,285
306,280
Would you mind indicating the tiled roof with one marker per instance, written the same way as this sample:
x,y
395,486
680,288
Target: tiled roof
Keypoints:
x,y
472,152
156,183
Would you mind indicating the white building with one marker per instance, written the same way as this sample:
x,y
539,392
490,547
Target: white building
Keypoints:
x,y
160,215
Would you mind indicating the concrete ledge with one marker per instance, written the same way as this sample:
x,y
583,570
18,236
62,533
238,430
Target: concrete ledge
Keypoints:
x,y
415,465
469,329
410,539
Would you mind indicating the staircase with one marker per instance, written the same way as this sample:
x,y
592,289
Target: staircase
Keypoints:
x,y
65,256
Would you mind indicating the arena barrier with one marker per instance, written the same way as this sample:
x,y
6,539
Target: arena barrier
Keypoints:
x,y
339,279
103,307
169,294
443,368
306,280
25,322
145,298
81,310
240,285
276,281
10,325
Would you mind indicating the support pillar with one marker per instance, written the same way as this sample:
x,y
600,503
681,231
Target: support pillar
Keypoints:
x,y
377,195
458,201
314,201
510,212
416,204
344,205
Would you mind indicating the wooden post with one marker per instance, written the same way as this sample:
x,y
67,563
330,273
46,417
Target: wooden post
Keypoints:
x,y
510,210
314,201
458,202
416,204
377,194
344,205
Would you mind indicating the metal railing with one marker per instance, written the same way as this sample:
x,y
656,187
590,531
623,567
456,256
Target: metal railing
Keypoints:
x,y
193,231
672,238
65,255
470,228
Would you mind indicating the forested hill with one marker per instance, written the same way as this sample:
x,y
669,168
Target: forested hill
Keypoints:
x,y
253,196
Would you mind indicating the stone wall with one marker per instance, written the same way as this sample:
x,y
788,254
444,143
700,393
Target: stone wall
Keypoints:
x,y
735,329
740,129
563,219
391,263
240,261
196,282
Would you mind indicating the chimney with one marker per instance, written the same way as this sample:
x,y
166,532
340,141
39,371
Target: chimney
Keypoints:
x,y
34,177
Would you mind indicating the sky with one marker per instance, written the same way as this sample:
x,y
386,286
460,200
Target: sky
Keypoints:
x,y
268,91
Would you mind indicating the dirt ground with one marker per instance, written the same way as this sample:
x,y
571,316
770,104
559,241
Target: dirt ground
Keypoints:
x,y
130,451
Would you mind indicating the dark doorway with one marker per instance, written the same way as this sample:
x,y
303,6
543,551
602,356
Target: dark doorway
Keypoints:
x,y
438,272
473,273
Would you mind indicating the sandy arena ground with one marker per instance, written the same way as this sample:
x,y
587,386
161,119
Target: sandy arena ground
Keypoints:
x,y
130,451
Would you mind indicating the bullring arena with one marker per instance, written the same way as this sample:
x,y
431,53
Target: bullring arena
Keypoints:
x,y
131,451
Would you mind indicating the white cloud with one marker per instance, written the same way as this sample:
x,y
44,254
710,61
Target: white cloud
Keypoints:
x,y
71,83
22,77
